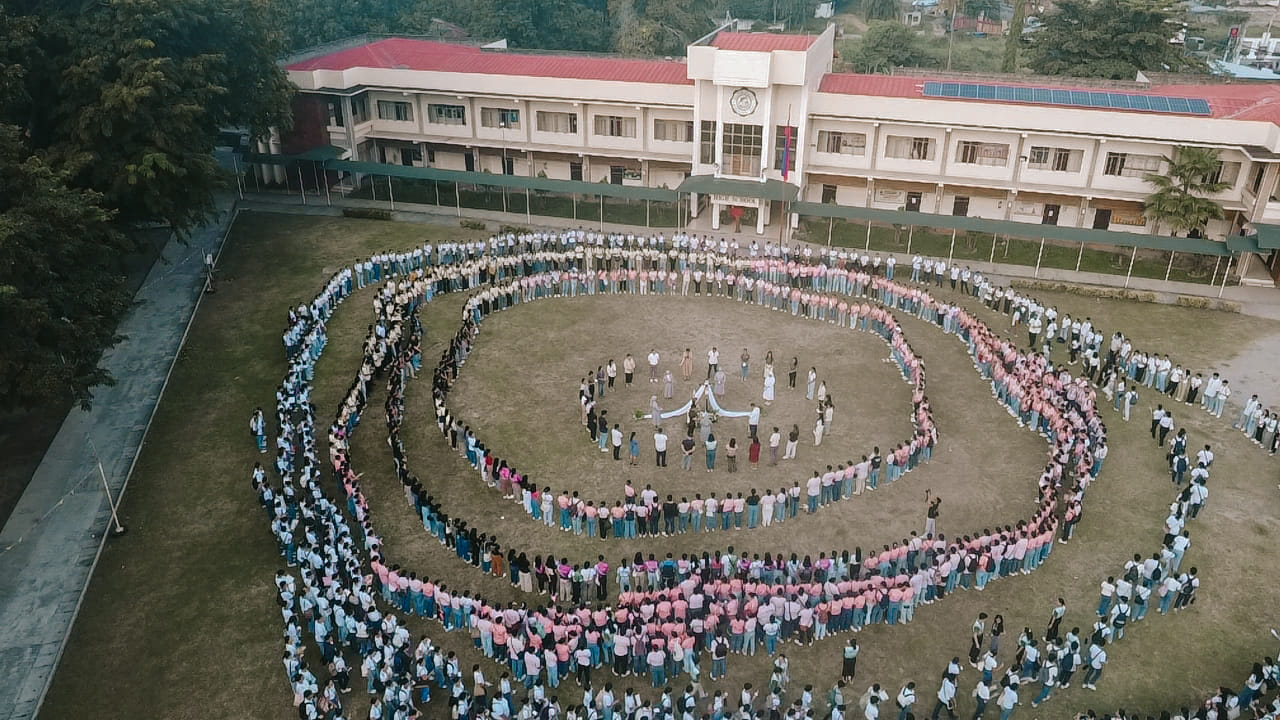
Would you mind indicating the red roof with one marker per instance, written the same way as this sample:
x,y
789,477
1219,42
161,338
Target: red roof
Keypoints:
x,y
410,54
1235,101
762,42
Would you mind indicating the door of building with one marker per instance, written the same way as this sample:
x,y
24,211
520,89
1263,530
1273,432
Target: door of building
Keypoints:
x,y
615,174
913,202
469,160
960,206
1102,219
1050,216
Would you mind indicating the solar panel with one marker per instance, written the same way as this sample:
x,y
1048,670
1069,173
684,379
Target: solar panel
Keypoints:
x,y
1067,97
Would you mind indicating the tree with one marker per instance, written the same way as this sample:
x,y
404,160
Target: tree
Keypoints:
x,y
61,289
109,112
880,9
885,45
989,9
1009,64
1179,200
1113,39
129,96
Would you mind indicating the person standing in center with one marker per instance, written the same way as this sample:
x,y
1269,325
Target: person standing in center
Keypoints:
x,y
812,385
660,447
686,365
713,362
710,445
745,359
791,373
653,365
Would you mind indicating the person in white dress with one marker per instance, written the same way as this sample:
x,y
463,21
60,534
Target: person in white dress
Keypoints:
x,y
769,382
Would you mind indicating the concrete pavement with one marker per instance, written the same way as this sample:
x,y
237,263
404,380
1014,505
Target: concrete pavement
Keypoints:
x,y
49,545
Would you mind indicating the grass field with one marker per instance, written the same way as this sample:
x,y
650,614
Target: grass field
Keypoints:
x,y
180,619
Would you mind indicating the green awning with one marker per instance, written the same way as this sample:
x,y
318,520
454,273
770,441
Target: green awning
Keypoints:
x,y
315,154
767,190
518,182
1200,246
1244,243
1268,236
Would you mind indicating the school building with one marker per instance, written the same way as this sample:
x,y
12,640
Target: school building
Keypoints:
x,y
760,121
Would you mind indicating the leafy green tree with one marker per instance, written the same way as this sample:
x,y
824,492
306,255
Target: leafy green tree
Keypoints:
x,y
885,45
989,9
109,115
1179,200
129,97
880,9
1110,39
1012,41
61,289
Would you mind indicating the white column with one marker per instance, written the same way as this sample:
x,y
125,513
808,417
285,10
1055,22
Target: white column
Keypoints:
x,y
715,215
767,141
719,129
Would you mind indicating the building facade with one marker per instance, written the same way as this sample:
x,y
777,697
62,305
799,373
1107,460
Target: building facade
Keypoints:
x,y
746,108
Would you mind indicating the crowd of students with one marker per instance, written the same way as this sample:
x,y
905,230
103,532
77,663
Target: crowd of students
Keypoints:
x,y
644,512
878,590
658,611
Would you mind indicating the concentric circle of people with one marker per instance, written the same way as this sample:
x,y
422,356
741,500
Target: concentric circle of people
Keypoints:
x,y
843,594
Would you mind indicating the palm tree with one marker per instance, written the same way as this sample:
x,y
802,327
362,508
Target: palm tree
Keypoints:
x,y
1179,200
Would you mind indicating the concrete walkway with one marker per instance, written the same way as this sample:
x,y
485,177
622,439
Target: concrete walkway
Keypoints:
x,y
50,544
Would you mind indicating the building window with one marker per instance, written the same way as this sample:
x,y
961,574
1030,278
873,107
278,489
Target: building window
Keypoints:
x,y
447,114
557,122
1054,159
780,147
960,206
742,148
1129,165
909,148
971,152
500,118
1227,172
359,109
335,113
842,143
828,194
575,170
410,156
615,126
707,144
673,130
398,111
